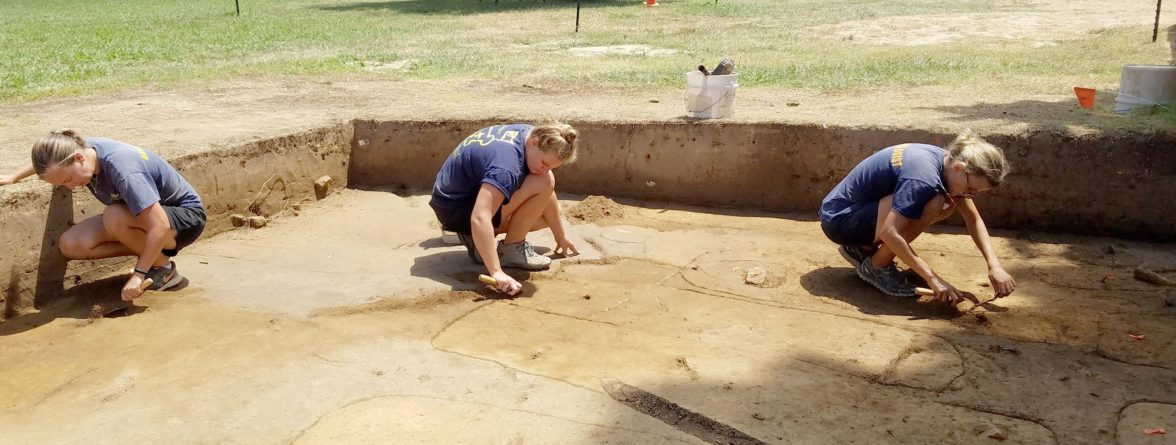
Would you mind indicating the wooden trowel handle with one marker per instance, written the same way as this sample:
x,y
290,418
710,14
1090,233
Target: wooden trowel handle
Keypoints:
x,y
147,282
924,291
487,279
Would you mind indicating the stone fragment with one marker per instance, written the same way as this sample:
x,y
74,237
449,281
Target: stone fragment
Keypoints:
x,y
257,222
239,220
756,276
322,187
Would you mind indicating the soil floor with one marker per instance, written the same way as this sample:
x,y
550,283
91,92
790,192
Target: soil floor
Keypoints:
x,y
331,327
328,327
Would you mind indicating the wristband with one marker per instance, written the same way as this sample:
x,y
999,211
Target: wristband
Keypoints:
x,y
140,271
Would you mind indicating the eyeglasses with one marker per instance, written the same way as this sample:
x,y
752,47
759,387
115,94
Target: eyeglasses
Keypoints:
x,y
970,193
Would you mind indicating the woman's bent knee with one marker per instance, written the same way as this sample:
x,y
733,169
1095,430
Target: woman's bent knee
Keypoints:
x,y
116,218
540,183
71,244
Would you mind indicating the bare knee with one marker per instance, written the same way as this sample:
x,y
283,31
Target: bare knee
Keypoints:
x,y
943,214
116,218
935,211
72,244
540,184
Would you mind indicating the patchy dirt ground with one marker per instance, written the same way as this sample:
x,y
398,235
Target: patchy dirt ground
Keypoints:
x,y
1047,22
328,328
174,123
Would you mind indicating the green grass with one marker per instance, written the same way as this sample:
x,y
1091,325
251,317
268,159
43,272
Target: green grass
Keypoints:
x,y
71,47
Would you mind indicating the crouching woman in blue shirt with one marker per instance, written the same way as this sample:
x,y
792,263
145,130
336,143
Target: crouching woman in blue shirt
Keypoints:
x,y
151,211
894,195
500,180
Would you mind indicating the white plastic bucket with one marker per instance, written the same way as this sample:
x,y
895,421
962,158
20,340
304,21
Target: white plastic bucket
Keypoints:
x,y
1144,86
710,97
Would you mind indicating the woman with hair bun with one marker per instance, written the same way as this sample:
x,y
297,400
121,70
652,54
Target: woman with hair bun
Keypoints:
x,y
499,180
894,195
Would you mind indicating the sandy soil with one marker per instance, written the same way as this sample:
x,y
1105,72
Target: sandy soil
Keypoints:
x,y
1047,22
327,328
177,122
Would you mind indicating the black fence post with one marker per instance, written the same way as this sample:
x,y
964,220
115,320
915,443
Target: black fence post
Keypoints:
x,y
577,15
1156,30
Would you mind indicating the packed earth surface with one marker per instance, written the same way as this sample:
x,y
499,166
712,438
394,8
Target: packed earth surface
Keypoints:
x,y
326,327
351,320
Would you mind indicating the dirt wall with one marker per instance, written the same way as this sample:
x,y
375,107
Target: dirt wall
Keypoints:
x,y
260,178
1119,185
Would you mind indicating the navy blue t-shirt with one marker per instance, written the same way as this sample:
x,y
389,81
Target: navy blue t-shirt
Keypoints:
x,y
137,177
494,155
913,173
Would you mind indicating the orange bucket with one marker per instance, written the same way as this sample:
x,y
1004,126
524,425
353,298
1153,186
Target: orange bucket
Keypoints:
x,y
1085,97
649,3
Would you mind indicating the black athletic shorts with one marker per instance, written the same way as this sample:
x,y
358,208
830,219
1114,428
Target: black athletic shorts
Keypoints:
x,y
458,220
857,228
188,222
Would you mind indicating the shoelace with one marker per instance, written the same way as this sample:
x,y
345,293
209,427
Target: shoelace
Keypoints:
x,y
890,271
529,249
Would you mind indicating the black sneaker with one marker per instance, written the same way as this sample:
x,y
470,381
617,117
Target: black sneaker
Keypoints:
x,y
887,279
471,249
164,277
855,255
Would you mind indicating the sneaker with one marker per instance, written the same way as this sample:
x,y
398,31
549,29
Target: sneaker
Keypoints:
x,y
164,277
521,255
887,279
726,66
855,255
471,249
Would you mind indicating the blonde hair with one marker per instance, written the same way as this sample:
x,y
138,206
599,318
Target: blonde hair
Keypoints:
x,y
979,157
557,137
55,149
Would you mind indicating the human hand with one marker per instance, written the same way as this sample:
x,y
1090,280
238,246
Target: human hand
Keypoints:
x,y
133,288
506,284
1002,283
7,180
565,247
944,291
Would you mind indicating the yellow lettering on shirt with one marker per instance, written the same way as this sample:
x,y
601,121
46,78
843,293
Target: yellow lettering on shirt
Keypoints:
x,y
142,154
486,136
896,155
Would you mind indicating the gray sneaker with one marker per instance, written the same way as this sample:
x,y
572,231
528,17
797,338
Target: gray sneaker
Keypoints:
x,y
726,66
522,256
887,279
164,277
855,255
471,249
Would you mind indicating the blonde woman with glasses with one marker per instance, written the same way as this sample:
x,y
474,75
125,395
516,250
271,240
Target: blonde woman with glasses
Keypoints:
x,y
500,180
894,195
151,211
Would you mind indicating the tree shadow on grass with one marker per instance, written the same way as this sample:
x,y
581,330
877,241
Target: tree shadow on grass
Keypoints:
x,y
467,7
1042,114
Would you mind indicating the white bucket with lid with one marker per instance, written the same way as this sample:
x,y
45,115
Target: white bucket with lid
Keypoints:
x,y
1144,86
710,97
